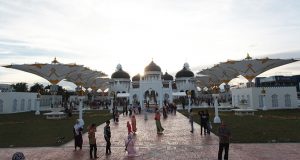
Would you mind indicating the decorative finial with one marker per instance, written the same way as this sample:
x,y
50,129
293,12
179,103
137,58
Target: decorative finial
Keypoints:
x,y
119,67
186,66
54,61
248,56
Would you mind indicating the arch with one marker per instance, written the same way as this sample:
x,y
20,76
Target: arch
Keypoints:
x,y
287,100
261,103
15,105
274,100
29,105
22,104
1,106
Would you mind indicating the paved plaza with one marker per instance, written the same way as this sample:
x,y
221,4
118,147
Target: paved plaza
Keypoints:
x,y
176,143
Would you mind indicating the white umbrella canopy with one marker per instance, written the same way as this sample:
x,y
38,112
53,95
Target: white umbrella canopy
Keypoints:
x,y
98,83
213,78
82,76
225,75
250,68
206,81
54,72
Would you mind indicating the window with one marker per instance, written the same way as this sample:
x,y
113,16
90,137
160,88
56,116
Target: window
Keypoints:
x,y
287,100
22,104
1,106
29,105
15,104
274,100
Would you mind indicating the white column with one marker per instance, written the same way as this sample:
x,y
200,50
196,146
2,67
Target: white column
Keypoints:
x,y
189,97
141,98
217,118
80,108
161,98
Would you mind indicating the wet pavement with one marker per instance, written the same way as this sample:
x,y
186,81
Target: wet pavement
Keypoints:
x,y
176,143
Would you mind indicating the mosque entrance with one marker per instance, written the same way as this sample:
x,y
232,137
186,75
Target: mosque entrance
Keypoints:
x,y
150,98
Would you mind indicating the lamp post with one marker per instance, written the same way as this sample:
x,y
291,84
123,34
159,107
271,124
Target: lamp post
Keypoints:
x,y
215,97
38,98
53,91
189,98
79,98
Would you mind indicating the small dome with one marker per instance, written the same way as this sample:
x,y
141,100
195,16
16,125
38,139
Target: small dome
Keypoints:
x,y
136,77
152,67
167,77
120,73
185,72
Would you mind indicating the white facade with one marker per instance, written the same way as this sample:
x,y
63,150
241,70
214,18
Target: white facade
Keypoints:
x,y
152,87
186,83
272,98
15,102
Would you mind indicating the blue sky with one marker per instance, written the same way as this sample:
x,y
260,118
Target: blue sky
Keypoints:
x,y
102,33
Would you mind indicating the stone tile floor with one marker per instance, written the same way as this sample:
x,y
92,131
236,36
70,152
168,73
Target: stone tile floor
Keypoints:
x,y
176,143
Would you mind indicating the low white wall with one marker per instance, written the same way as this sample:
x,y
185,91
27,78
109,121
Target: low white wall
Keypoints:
x,y
275,97
15,102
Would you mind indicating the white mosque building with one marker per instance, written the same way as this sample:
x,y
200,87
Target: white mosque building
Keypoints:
x,y
154,87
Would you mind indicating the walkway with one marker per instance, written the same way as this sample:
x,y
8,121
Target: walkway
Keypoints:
x,y
176,143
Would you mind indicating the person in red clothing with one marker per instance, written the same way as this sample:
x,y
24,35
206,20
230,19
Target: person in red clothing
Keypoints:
x,y
129,127
159,128
133,123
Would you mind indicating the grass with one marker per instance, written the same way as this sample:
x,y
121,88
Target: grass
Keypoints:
x,y
263,127
28,130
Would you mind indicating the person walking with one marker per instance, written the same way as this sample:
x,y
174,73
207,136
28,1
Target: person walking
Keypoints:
x,y
159,128
191,119
202,122
92,140
77,131
133,124
107,135
129,128
130,145
224,139
207,123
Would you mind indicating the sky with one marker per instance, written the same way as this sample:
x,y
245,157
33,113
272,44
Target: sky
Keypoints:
x,y
103,33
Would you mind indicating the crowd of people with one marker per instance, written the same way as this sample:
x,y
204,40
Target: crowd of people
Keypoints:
x,y
223,131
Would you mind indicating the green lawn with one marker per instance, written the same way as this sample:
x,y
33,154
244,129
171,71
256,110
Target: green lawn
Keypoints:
x,y
264,126
28,130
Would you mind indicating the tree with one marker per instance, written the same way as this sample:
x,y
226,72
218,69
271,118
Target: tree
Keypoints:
x,y
37,88
20,87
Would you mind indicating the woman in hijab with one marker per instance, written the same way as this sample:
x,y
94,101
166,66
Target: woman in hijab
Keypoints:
x,y
133,123
129,128
77,131
159,128
129,145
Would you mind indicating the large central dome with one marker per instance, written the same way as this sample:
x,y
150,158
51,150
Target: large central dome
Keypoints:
x,y
120,73
185,72
152,67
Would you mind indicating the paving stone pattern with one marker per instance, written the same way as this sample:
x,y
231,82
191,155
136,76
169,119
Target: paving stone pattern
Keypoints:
x,y
177,143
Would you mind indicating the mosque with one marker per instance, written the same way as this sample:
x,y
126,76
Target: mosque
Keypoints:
x,y
154,87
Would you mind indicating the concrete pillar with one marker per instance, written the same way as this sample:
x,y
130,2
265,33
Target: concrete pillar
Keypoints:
x,y
37,111
217,118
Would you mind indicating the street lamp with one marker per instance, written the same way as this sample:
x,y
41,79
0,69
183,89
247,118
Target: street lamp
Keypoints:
x,y
79,97
38,98
263,93
189,97
215,97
